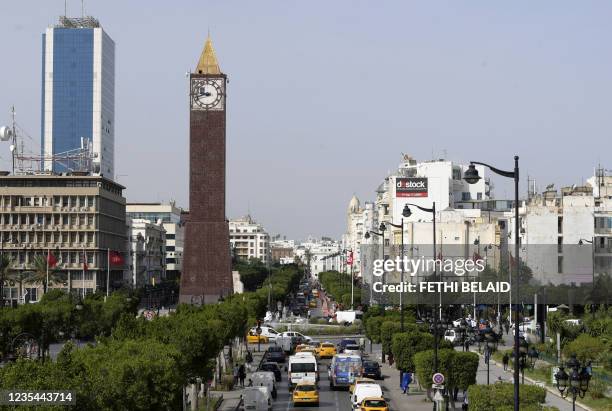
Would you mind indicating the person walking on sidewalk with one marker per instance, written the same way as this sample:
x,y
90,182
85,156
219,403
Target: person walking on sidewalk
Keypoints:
x,y
241,375
506,360
406,379
236,368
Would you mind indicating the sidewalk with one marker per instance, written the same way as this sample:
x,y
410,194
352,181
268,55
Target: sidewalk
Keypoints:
x,y
398,401
232,399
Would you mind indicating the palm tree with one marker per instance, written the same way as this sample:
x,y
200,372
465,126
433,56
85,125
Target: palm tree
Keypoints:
x,y
5,268
41,272
20,277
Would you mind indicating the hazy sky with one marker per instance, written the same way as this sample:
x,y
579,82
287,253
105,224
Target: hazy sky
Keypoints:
x,y
325,95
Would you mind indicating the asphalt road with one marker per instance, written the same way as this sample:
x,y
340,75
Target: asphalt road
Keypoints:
x,y
328,400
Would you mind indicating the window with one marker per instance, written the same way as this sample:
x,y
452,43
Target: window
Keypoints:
x,y
31,294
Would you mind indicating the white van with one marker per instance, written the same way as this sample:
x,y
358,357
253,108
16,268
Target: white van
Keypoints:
x,y
264,379
256,399
266,331
451,336
363,391
302,366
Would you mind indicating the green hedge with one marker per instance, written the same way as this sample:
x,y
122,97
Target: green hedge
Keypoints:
x,y
406,345
458,367
498,396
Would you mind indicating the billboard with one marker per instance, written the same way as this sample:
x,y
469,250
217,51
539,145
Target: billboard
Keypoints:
x,y
410,187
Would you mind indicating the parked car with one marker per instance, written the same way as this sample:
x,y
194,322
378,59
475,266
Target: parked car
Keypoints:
x,y
253,338
371,369
275,353
273,367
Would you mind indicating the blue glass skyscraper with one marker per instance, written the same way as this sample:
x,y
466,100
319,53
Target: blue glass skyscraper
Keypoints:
x,y
78,92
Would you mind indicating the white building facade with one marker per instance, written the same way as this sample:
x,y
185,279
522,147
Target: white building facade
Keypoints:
x,y
248,239
147,257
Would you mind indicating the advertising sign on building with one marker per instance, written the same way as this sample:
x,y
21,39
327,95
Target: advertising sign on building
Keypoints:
x,y
410,187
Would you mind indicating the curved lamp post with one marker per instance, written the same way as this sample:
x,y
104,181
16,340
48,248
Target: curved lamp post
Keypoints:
x,y
471,177
575,383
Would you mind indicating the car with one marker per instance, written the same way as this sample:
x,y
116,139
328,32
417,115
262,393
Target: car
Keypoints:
x,y
371,369
374,404
306,392
352,349
363,391
360,380
256,398
305,348
275,353
344,342
312,304
253,338
303,337
266,331
326,350
273,367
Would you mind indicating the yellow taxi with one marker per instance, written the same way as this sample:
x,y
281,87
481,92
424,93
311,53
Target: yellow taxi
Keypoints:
x,y
303,347
326,350
312,304
361,380
373,404
253,338
306,392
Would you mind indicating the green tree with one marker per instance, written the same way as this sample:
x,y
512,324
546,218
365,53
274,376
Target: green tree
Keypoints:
x,y
406,345
387,329
41,271
5,269
499,396
585,347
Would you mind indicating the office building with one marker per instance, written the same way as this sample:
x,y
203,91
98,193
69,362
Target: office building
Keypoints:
x,y
78,93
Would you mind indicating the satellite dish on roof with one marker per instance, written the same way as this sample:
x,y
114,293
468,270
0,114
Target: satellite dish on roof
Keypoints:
x,y
6,133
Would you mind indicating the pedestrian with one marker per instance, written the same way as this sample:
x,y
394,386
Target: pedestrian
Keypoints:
x,y
506,360
507,327
406,380
249,357
236,368
250,383
390,359
241,375
464,405
467,345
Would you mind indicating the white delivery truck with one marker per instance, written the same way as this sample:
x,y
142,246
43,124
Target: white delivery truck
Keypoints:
x,y
264,379
343,317
302,367
256,399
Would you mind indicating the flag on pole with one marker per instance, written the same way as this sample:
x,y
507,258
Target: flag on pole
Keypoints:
x,y
51,260
512,260
85,268
477,257
349,259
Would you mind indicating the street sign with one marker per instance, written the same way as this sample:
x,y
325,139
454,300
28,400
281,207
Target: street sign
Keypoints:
x,y
438,378
438,396
437,386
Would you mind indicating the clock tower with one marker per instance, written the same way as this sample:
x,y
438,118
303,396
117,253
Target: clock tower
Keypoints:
x,y
207,273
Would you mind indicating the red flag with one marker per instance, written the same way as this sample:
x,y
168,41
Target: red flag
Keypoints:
x,y
116,258
512,260
84,260
477,257
349,259
51,260
440,257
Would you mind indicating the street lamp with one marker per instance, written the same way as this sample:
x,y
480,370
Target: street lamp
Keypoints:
x,y
405,213
471,177
381,234
431,210
576,383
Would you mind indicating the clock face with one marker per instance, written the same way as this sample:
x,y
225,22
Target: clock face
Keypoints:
x,y
207,94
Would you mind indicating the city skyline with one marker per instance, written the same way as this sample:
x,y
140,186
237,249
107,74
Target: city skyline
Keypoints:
x,y
458,69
